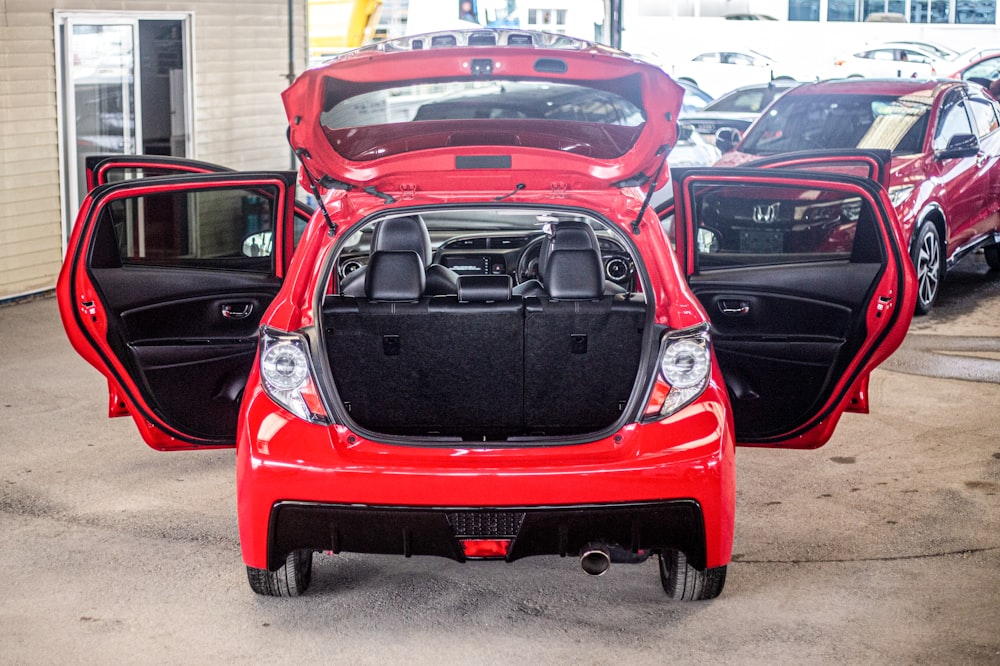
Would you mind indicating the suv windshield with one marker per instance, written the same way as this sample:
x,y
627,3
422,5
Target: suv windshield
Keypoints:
x,y
818,122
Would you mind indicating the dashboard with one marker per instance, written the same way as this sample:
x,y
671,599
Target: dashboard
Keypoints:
x,y
504,253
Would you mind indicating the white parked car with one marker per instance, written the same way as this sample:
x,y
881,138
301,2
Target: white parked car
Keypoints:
x,y
718,72
890,61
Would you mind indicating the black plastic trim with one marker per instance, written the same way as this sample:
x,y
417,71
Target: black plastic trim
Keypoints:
x,y
543,530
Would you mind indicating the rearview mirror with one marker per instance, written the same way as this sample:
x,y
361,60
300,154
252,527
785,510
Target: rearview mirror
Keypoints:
x,y
726,138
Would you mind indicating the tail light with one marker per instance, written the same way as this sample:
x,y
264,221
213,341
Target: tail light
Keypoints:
x,y
682,371
287,375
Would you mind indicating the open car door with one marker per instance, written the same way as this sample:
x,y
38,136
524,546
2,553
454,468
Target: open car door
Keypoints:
x,y
873,164
162,290
104,169
806,286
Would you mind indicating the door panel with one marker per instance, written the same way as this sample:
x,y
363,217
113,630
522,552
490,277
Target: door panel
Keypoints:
x,y
873,164
802,277
782,340
157,293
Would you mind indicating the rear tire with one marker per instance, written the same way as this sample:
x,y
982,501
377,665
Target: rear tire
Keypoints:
x,y
992,253
290,580
682,582
929,263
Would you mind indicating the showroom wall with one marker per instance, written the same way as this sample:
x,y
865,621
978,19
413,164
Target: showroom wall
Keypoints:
x,y
233,63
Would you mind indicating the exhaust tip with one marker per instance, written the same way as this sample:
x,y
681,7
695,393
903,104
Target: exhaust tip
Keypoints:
x,y
595,560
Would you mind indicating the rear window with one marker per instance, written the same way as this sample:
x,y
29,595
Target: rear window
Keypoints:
x,y
818,122
370,122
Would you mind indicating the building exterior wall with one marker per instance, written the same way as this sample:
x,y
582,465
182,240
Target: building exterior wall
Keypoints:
x,y
240,64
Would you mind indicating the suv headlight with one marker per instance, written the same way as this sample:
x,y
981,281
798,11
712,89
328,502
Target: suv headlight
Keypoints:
x,y
899,194
287,376
683,370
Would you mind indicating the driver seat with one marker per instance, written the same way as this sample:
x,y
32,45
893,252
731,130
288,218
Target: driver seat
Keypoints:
x,y
570,235
404,234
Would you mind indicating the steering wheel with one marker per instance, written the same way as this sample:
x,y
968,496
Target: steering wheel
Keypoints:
x,y
527,263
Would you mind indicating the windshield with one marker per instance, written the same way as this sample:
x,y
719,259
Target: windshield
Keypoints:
x,y
365,123
819,122
747,101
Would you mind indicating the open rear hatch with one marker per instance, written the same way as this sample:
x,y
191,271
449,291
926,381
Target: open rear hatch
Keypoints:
x,y
482,110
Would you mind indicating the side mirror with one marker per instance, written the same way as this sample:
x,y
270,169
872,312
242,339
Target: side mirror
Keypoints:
x,y
960,145
726,138
258,244
709,241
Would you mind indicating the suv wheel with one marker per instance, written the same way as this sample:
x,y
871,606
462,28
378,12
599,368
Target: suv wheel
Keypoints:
x,y
290,580
929,265
682,582
992,253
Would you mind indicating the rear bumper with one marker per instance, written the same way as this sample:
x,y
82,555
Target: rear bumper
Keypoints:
x,y
560,530
666,484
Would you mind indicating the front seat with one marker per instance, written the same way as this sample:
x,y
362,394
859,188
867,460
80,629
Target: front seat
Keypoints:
x,y
404,234
570,235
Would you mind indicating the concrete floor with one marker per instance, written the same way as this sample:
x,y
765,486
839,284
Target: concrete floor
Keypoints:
x,y
881,548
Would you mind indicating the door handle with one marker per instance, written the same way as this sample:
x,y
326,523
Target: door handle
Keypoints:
x,y
734,308
240,311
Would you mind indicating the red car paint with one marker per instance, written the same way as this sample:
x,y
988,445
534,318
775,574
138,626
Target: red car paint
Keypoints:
x,y
172,323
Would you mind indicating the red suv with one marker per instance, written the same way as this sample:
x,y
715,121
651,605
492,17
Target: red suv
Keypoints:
x,y
482,345
943,177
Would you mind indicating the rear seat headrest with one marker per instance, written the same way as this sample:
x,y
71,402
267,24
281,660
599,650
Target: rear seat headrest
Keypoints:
x,y
394,276
574,275
483,288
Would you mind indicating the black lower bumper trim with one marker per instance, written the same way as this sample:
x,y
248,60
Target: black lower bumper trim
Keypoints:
x,y
550,530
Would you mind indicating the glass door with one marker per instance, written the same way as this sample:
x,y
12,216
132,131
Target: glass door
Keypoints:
x,y
100,74
124,87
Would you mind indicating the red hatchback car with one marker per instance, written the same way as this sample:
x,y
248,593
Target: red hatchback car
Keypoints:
x,y
944,172
483,345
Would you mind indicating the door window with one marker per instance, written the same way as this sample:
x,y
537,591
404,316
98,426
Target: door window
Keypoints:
x,y
759,225
227,229
985,114
954,120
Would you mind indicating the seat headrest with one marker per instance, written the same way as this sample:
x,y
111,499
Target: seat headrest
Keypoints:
x,y
483,288
574,275
570,235
403,233
394,276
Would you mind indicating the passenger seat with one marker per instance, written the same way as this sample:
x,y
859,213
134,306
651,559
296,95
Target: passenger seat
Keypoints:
x,y
408,233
